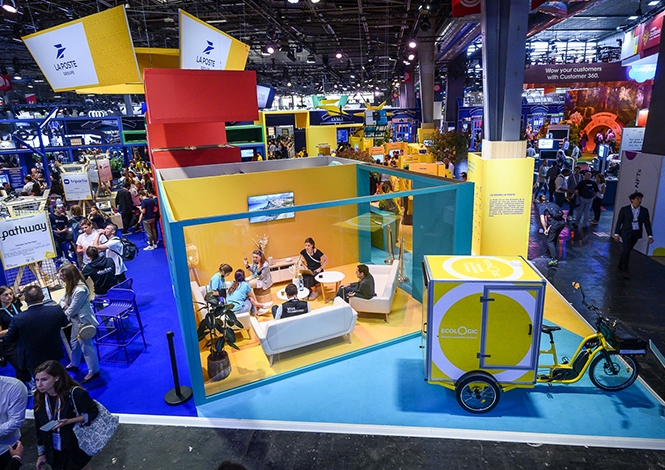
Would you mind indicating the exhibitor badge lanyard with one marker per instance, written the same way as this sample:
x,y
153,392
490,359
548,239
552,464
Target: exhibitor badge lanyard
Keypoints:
x,y
55,435
636,214
13,307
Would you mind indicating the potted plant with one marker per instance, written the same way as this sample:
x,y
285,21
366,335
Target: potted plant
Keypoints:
x,y
116,166
452,145
216,329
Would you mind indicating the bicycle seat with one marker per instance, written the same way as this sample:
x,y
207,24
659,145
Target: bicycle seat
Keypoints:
x,y
548,329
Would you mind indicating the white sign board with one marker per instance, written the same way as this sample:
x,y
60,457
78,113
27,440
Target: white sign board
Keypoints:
x,y
64,56
77,186
26,239
632,139
202,47
639,172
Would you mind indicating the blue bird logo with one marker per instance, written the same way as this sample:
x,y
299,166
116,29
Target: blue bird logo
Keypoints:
x,y
61,51
209,48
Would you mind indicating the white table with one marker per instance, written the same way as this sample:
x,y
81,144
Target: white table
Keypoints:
x,y
329,277
302,294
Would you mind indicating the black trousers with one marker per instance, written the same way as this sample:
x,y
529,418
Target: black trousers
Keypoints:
x,y
556,226
595,205
628,244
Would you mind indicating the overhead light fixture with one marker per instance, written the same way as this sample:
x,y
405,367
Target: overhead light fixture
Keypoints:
x,y
352,76
339,55
269,49
10,6
311,59
17,76
411,56
413,44
633,17
316,1
288,83
294,1
651,4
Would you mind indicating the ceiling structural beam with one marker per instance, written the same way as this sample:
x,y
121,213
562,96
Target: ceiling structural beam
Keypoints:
x,y
504,25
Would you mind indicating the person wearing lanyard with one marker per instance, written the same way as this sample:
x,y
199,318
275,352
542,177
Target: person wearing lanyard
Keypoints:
x,y
10,306
57,445
632,218
315,261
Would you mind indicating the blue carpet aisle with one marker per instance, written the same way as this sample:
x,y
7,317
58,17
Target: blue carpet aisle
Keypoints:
x,y
386,387
139,387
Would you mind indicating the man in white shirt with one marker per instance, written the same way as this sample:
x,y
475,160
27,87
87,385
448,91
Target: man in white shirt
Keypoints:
x,y
449,166
13,400
109,243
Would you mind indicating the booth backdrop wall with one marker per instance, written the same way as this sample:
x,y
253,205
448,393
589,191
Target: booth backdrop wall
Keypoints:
x,y
320,135
230,241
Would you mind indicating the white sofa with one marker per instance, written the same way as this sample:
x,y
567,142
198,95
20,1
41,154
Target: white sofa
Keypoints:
x,y
385,286
198,296
278,336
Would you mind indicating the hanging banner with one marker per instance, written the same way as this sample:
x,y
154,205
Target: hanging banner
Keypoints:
x,y
93,51
5,83
203,47
25,240
77,186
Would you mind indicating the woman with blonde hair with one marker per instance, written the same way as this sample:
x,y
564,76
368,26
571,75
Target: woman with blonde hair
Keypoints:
x,y
76,304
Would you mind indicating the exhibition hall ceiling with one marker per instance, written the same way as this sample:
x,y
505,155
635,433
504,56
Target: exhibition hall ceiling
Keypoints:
x,y
349,43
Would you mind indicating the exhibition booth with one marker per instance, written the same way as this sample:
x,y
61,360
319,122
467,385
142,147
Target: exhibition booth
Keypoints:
x,y
220,213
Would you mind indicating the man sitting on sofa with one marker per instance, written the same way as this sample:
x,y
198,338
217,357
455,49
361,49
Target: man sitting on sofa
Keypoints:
x,y
292,306
363,289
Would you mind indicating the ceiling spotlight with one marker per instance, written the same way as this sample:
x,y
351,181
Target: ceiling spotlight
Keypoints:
x,y
339,55
316,1
288,83
10,6
653,3
269,49
294,1
352,76
17,76
311,59
411,56
633,17
413,44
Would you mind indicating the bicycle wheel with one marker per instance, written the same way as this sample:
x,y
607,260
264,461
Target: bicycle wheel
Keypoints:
x,y
613,372
477,392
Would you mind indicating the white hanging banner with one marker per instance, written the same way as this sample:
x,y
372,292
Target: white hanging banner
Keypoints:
x,y
26,239
77,186
64,56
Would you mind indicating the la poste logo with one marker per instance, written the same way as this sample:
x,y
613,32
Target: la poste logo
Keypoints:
x,y
62,64
206,61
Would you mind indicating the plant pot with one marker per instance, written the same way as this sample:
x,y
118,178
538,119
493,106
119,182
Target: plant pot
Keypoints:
x,y
219,369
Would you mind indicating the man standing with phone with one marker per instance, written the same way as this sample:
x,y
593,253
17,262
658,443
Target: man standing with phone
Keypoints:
x,y
630,223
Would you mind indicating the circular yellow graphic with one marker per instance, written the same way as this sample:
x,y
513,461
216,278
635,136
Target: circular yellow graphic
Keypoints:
x,y
459,333
483,267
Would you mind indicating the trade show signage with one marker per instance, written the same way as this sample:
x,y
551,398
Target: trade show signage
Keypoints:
x,y
25,240
77,186
94,51
104,168
203,47
641,173
571,73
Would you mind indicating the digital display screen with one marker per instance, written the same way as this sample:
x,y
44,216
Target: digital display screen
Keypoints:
x,y
247,153
545,144
270,201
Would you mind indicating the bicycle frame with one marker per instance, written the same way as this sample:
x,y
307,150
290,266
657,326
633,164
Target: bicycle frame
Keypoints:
x,y
601,346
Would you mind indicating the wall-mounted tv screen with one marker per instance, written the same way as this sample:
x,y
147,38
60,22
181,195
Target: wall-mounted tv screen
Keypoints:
x,y
246,153
270,201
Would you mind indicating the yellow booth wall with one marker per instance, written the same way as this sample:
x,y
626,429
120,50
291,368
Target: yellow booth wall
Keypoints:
x,y
230,241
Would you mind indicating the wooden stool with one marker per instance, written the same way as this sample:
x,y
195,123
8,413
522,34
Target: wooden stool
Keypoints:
x,y
263,295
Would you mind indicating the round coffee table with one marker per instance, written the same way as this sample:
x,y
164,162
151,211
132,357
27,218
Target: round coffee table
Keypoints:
x,y
302,294
329,277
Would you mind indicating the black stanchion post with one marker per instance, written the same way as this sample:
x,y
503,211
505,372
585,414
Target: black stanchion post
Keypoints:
x,y
179,394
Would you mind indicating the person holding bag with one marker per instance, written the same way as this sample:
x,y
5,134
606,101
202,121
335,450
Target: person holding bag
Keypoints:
x,y
57,400
76,304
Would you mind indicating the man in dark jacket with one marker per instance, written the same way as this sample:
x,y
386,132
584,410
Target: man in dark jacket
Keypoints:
x,y
292,307
630,223
101,270
363,289
36,331
124,204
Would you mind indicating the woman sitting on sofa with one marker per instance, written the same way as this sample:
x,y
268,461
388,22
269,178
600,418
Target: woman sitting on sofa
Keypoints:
x,y
260,269
241,296
315,261
217,284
